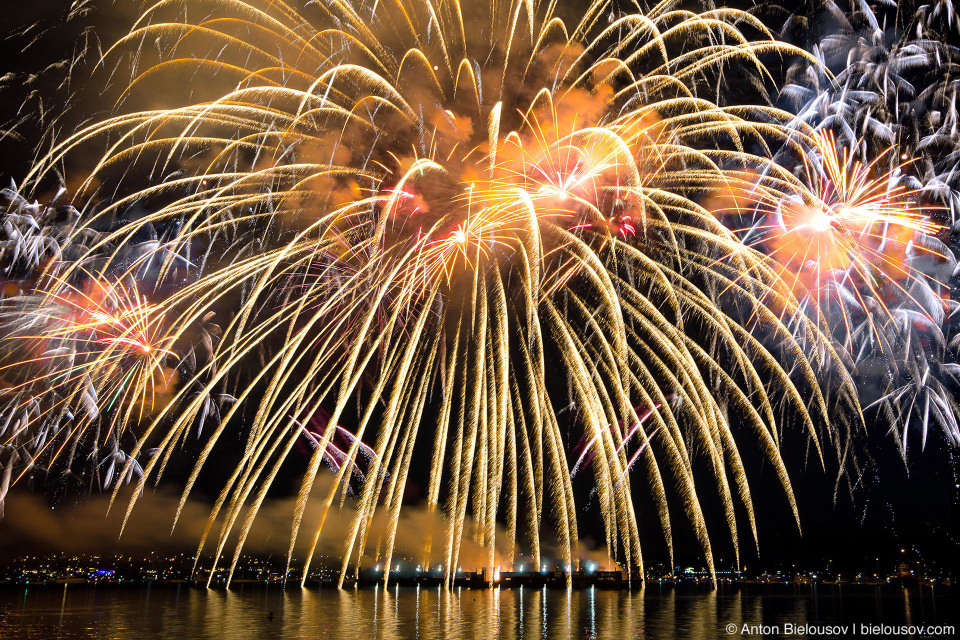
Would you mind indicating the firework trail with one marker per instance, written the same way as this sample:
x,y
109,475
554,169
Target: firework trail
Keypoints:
x,y
458,220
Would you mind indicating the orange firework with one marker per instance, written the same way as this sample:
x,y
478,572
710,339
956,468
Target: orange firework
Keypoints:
x,y
464,237
99,347
846,223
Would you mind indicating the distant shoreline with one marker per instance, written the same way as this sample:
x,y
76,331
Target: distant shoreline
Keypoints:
x,y
751,586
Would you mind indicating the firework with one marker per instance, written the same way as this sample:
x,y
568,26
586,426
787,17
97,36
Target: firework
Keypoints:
x,y
91,361
430,220
844,224
894,91
857,246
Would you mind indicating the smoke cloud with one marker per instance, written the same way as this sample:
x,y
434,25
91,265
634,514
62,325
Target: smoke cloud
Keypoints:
x,y
31,525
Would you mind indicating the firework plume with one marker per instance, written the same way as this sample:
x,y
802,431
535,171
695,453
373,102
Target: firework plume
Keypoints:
x,y
443,223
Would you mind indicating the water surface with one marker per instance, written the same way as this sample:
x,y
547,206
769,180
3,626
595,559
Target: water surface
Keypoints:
x,y
253,612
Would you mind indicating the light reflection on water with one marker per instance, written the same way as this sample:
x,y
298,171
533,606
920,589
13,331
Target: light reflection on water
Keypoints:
x,y
261,613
